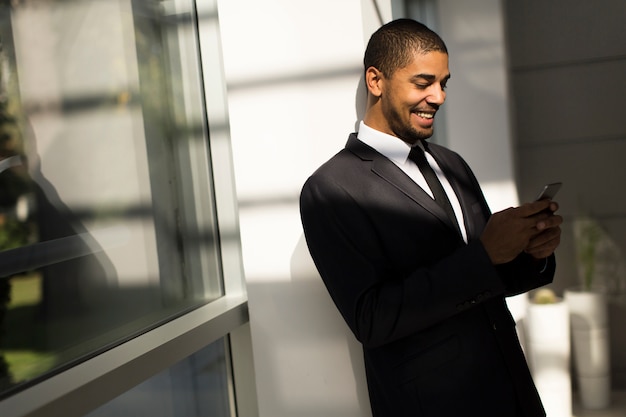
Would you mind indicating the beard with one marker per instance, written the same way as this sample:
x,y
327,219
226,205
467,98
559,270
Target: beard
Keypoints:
x,y
404,129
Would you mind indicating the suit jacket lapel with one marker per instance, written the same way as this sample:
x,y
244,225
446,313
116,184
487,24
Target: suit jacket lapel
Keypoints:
x,y
389,172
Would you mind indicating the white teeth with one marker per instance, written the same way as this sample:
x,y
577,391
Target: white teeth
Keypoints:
x,y
426,115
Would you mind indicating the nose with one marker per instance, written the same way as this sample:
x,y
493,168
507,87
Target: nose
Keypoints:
x,y
437,94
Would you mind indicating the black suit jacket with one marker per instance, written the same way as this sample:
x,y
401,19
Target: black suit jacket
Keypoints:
x,y
428,308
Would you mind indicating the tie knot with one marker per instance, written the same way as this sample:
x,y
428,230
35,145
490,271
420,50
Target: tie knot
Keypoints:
x,y
417,154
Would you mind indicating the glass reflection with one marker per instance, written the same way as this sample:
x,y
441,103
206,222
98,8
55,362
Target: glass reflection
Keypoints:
x,y
106,218
197,386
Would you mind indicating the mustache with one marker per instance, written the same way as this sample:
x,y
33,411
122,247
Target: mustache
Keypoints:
x,y
430,108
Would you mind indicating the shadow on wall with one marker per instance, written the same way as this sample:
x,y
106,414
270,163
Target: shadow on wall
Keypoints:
x,y
360,101
306,280
310,339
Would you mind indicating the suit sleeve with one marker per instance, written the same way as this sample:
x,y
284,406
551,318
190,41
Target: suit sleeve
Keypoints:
x,y
378,305
525,273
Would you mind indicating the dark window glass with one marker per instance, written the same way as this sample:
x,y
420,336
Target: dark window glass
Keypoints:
x,y
107,222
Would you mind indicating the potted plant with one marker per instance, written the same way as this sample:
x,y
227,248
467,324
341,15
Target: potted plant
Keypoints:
x,y
548,331
588,309
587,233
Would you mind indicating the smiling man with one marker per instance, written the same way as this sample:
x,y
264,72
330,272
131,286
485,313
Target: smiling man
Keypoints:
x,y
413,258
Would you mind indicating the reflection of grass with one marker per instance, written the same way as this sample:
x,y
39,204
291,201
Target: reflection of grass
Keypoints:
x,y
27,364
26,290
24,348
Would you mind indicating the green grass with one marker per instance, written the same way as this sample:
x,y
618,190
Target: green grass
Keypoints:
x,y
27,364
25,290
23,348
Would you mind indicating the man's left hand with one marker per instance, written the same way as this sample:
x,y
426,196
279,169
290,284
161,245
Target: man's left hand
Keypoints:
x,y
545,243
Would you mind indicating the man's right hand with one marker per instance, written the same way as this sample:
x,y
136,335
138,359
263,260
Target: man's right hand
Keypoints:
x,y
509,232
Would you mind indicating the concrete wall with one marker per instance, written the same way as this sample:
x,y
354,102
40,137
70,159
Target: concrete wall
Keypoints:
x,y
567,63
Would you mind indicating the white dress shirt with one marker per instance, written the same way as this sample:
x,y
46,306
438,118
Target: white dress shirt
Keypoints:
x,y
397,151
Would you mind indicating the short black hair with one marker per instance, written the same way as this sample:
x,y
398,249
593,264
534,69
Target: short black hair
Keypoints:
x,y
393,45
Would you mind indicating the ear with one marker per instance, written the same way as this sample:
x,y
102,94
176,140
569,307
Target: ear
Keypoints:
x,y
374,80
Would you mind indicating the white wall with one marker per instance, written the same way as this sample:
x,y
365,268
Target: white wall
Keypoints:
x,y
293,68
293,71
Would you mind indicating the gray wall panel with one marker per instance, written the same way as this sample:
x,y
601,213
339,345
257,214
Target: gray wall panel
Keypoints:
x,y
549,32
571,102
592,173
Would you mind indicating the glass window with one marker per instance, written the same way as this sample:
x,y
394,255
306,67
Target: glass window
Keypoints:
x,y
107,217
194,387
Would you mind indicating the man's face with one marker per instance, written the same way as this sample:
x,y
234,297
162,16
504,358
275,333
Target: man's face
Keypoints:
x,y
412,96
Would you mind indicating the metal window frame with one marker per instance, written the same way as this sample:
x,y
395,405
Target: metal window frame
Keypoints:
x,y
92,383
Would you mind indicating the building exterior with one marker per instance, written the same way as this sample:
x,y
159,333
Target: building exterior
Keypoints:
x,y
160,147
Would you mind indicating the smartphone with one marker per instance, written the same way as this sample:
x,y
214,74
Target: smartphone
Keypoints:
x,y
549,191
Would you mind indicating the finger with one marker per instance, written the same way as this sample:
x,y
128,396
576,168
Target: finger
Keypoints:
x,y
532,212
540,221
548,240
554,206
543,237
549,222
542,251
536,207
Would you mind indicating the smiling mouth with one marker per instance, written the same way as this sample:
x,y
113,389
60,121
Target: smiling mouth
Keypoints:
x,y
425,115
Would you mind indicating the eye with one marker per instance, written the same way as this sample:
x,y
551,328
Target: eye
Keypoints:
x,y
444,83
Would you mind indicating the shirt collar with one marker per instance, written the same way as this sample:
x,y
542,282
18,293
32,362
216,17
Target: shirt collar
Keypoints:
x,y
390,146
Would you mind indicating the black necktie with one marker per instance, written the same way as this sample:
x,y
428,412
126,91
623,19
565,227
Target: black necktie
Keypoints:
x,y
417,155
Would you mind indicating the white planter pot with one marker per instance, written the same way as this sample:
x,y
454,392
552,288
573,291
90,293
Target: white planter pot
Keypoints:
x,y
548,343
590,345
